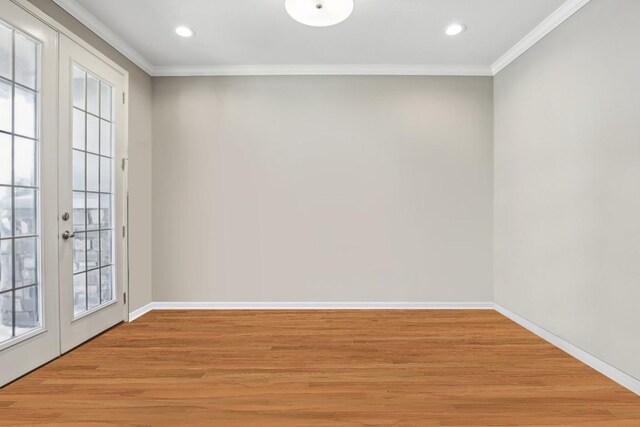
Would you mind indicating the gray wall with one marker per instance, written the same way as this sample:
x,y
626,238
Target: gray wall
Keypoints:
x,y
139,155
567,183
322,189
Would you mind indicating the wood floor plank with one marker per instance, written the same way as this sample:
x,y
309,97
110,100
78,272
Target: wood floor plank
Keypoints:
x,y
318,368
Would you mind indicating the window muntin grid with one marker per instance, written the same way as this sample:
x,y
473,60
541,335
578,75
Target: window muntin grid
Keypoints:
x,y
93,199
20,295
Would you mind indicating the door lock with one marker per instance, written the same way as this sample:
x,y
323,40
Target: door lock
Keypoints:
x,y
68,235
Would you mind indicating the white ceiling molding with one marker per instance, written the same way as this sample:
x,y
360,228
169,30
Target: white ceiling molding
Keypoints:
x,y
95,25
549,24
563,13
326,70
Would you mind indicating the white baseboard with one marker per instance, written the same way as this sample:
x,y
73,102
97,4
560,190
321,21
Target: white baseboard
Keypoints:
x,y
625,380
309,306
140,312
322,305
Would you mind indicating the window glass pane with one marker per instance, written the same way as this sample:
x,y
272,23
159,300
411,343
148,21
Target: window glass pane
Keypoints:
x,y
78,170
19,244
92,95
78,129
6,111
6,316
105,138
6,52
92,202
93,288
79,214
6,263
26,67
105,101
93,136
93,211
25,262
6,212
79,88
25,212
79,293
106,281
93,170
105,175
25,112
105,248
79,254
93,249
27,310
5,159
25,162
105,211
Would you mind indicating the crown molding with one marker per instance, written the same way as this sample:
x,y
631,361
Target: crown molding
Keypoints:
x,y
561,14
324,70
95,25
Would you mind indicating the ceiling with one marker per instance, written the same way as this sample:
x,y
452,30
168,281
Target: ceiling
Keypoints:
x,y
380,37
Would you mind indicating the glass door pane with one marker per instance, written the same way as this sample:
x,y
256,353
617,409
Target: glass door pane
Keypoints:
x,y
29,165
92,196
92,190
20,301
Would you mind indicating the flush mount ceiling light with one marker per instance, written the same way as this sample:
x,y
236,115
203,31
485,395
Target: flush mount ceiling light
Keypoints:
x,y
184,31
319,13
454,29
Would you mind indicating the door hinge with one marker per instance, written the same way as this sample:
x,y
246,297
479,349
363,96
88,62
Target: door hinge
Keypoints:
x,y
124,163
124,231
124,97
124,296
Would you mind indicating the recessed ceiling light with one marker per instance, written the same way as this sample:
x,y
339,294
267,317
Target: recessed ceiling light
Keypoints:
x,y
184,31
319,13
454,29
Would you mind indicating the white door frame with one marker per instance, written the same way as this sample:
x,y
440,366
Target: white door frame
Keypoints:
x,y
76,329
33,349
36,348
61,29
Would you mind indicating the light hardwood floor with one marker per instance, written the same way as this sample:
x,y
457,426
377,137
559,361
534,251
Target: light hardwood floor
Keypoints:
x,y
318,368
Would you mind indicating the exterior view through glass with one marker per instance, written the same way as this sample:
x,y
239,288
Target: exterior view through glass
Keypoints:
x,y
93,201
20,302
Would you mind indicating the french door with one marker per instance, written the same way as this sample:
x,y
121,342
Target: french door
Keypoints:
x,y
92,195
29,327
62,193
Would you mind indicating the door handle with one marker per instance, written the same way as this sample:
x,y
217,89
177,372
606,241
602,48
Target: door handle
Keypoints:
x,y
68,235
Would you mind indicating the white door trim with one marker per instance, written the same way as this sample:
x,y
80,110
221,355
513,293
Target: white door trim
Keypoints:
x,y
33,10
76,329
27,352
61,29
